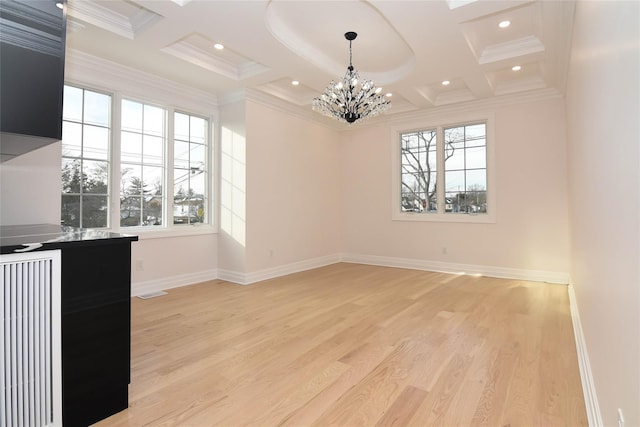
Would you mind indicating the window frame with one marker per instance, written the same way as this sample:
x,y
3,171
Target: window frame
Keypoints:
x,y
439,124
168,228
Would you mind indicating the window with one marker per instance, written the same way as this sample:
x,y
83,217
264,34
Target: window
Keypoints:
x,y
443,174
157,161
465,169
142,171
190,175
86,135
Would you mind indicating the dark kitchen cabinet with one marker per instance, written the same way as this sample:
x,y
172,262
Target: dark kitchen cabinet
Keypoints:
x,y
96,313
32,50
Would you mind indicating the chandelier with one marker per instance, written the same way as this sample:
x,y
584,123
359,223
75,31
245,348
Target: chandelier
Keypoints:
x,y
351,99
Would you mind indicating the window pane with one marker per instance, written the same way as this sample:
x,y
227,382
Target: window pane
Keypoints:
x,y
454,181
70,214
181,154
96,142
198,130
131,180
97,108
198,156
152,211
71,139
153,149
95,210
71,180
152,177
476,180
72,109
153,120
131,116
131,147
96,177
181,126
455,161
130,211
476,158
475,131
197,185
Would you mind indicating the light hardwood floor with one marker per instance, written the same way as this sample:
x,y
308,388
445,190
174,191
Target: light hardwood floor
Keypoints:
x,y
355,345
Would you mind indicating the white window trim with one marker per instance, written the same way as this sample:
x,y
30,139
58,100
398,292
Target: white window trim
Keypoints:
x,y
440,123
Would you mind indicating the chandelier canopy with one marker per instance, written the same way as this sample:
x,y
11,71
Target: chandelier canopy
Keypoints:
x,y
351,99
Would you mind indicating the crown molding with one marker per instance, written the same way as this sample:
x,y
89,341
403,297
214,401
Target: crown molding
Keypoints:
x,y
398,118
472,106
107,19
304,113
102,17
111,76
512,49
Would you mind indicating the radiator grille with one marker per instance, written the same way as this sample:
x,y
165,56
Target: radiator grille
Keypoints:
x,y
30,379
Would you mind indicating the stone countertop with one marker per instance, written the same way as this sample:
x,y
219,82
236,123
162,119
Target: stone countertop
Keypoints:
x,y
26,238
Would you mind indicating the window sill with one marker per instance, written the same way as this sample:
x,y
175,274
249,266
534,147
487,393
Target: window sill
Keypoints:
x,y
436,217
145,233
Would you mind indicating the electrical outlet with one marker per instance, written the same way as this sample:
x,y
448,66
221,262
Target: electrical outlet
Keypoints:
x,y
444,250
620,418
139,265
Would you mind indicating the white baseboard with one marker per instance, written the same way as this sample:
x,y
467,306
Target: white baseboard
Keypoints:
x,y
148,286
241,278
448,267
281,270
588,387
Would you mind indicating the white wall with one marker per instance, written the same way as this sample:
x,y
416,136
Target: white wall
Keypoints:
x,y
162,263
233,192
604,138
30,187
530,235
293,189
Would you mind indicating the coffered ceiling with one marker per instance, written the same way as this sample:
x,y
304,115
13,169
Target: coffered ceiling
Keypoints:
x,y
408,47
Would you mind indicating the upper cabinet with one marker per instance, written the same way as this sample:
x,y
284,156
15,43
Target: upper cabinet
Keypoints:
x,y
32,48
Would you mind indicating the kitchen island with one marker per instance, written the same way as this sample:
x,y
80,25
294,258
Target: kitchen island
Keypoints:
x,y
96,314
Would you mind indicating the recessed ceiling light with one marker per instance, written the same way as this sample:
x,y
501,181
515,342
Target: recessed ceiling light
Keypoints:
x,y
516,68
295,82
388,94
445,82
59,5
218,46
504,24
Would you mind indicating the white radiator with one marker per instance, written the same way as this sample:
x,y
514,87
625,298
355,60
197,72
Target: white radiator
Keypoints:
x,y
30,340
